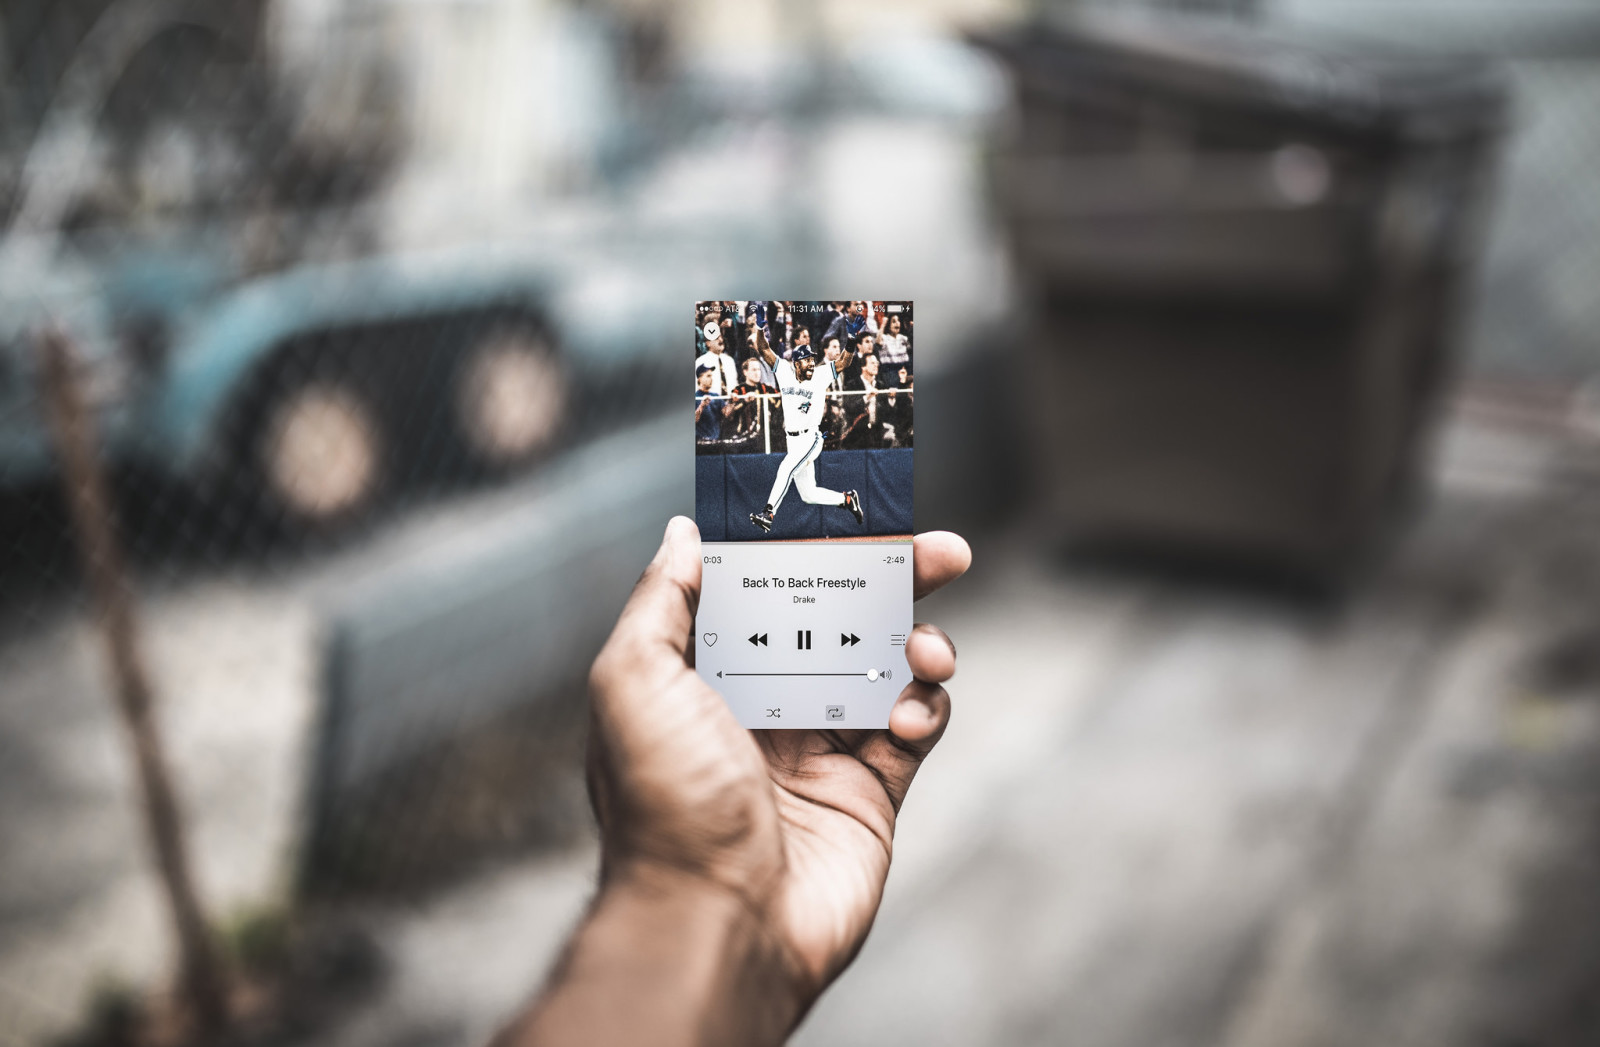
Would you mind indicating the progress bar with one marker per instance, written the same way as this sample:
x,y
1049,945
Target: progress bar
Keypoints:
x,y
872,675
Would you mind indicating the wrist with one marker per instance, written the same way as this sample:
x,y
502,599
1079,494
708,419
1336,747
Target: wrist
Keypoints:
x,y
730,941
667,956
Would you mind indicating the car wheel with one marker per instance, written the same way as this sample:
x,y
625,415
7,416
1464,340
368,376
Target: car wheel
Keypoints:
x,y
321,453
511,398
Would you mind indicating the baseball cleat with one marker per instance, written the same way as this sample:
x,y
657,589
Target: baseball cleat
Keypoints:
x,y
762,520
852,502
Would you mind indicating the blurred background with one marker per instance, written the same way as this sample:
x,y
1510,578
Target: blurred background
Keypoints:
x,y
343,394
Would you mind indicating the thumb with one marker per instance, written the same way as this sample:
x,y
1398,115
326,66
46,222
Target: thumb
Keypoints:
x,y
652,637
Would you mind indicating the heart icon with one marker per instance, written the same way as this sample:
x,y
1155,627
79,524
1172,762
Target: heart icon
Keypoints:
x,y
710,639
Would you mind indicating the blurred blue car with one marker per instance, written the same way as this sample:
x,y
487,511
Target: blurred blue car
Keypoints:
x,y
319,385
244,320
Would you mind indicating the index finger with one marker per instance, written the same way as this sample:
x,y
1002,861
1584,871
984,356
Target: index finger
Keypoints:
x,y
938,558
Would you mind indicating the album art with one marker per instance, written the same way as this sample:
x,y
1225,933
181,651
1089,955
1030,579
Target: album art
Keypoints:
x,y
804,420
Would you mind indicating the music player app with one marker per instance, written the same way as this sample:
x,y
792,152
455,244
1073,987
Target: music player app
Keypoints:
x,y
803,496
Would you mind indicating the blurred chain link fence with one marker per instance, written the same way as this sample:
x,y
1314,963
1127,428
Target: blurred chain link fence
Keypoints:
x,y
200,197
1538,300
330,327
1540,303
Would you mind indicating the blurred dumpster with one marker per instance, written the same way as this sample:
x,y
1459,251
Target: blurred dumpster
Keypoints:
x,y
1241,255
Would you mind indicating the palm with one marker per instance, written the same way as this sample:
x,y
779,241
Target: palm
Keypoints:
x,y
836,822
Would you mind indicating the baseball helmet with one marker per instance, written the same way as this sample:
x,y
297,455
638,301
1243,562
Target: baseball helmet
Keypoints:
x,y
804,352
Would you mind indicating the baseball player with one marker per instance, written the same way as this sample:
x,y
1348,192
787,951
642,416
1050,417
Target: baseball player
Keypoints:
x,y
802,385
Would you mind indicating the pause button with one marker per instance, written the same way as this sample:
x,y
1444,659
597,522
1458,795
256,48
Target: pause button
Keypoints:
x,y
802,639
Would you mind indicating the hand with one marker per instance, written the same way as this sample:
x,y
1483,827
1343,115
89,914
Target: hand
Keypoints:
x,y
779,841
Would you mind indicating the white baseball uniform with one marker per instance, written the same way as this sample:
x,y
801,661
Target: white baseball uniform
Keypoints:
x,y
803,407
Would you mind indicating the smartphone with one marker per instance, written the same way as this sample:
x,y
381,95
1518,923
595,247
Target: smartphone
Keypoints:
x,y
803,432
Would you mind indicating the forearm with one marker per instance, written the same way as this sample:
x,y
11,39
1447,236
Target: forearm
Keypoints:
x,y
764,347
666,959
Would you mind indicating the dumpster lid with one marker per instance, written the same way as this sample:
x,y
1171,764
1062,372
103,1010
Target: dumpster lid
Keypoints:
x,y
1285,72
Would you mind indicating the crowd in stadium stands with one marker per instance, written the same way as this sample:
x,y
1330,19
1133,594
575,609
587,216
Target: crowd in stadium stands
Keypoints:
x,y
737,408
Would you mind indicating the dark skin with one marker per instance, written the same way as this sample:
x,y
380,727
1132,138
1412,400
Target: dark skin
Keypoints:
x,y
740,870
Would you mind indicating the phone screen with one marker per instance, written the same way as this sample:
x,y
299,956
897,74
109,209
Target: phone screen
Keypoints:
x,y
803,495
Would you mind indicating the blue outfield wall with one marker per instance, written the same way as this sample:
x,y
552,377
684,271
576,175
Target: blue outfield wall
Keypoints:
x,y
729,487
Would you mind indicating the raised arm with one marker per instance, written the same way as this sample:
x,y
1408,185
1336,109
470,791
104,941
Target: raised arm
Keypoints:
x,y
764,349
843,363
